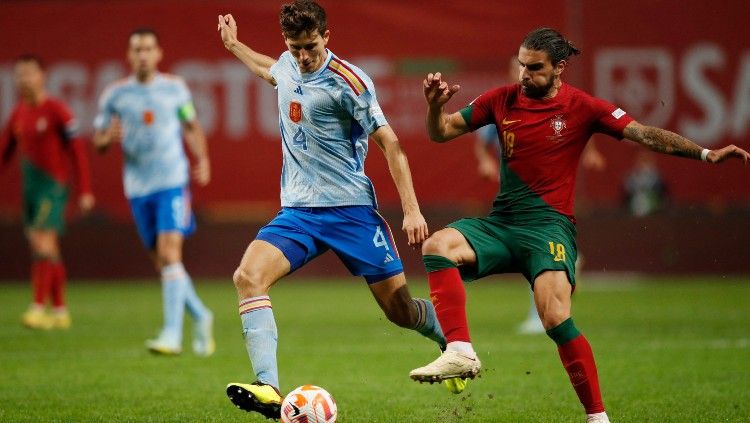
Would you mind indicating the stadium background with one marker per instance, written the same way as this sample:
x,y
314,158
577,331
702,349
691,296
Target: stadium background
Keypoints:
x,y
676,64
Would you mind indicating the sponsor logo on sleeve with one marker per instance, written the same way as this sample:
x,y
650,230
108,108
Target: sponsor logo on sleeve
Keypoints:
x,y
618,113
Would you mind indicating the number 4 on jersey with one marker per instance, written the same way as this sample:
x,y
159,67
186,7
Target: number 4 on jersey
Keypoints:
x,y
300,139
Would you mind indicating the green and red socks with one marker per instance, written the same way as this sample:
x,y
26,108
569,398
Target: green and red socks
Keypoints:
x,y
578,360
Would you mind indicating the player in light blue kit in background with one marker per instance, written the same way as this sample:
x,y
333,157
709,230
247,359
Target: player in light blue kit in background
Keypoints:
x,y
486,150
149,113
327,110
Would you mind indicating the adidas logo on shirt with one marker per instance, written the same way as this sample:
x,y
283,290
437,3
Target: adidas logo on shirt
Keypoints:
x,y
388,258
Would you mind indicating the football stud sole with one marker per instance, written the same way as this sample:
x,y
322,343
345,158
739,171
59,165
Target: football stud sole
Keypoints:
x,y
245,400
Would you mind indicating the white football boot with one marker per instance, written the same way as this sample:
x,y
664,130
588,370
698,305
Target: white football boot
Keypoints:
x,y
450,364
597,418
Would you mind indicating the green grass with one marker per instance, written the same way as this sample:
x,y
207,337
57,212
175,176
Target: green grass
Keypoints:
x,y
667,351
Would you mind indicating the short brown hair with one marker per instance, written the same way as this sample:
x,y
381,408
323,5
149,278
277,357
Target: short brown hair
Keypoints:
x,y
144,30
302,16
30,58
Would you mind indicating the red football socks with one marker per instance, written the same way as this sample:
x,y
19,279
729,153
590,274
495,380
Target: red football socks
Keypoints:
x,y
449,299
41,280
578,359
58,284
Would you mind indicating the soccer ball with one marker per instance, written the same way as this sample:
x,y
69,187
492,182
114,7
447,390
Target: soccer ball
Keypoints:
x,y
308,404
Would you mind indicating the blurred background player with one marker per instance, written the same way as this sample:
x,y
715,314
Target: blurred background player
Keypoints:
x,y
327,109
531,229
644,188
486,150
149,113
46,133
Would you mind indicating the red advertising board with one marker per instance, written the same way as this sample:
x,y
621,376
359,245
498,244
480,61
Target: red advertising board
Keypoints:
x,y
675,64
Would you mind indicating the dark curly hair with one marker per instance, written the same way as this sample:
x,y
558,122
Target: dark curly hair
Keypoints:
x,y
302,16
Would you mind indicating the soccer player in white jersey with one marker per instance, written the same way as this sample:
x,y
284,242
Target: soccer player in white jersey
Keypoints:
x,y
149,113
327,110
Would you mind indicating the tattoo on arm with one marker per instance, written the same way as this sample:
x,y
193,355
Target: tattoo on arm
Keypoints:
x,y
663,141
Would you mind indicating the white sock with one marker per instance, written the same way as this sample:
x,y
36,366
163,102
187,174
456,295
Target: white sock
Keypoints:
x,y
601,415
462,347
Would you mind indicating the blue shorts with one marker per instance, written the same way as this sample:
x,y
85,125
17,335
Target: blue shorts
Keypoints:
x,y
163,211
358,235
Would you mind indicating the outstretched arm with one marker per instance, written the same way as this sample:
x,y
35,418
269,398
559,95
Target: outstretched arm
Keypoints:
x,y
259,64
441,126
667,142
414,224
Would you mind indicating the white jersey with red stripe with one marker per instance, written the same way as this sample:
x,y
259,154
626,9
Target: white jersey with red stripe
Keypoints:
x,y
325,118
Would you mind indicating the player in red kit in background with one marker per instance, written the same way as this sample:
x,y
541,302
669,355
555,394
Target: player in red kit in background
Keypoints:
x,y
544,125
45,132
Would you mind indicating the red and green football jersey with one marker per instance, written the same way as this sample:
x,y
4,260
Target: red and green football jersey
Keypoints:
x,y
46,137
541,142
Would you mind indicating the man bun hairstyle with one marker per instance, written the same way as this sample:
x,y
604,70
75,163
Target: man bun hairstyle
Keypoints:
x,y
547,39
302,16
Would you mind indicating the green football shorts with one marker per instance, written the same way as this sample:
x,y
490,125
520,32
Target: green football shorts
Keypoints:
x,y
44,200
529,248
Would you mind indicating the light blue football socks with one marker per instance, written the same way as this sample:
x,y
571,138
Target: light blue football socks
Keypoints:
x,y
173,299
427,322
261,337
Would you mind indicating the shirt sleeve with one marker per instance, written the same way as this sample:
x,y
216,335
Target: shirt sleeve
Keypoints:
x,y
275,69
611,120
7,141
361,103
185,106
106,109
76,147
480,112
69,128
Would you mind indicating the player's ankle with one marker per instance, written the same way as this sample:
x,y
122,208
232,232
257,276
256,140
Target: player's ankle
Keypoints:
x,y
461,346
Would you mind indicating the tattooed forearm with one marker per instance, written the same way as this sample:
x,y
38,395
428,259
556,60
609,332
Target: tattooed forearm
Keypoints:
x,y
663,141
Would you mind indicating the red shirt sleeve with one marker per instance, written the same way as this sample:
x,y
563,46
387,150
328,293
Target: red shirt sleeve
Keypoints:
x,y
76,148
481,111
611,120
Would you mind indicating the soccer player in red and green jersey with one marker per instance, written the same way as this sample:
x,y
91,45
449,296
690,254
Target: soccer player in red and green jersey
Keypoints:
x,y
544,125
45,132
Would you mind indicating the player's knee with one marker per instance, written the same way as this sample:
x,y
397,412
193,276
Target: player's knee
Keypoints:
x,y
248,282
435,245
553,318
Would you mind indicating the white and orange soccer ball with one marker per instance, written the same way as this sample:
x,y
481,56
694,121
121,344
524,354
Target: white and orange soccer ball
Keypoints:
x,y
308,404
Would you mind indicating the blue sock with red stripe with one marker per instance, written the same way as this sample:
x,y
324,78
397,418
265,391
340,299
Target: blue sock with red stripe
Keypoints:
x,y
261,338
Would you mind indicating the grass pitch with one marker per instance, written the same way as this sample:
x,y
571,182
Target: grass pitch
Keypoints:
x,y
667,351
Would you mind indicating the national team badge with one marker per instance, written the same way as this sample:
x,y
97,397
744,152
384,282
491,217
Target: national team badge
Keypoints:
x,y
148,117
558,124
41,125
295,111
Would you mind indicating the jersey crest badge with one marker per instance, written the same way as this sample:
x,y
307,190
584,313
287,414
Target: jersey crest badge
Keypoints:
x,y
558,124
295,111
148,117
41,125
